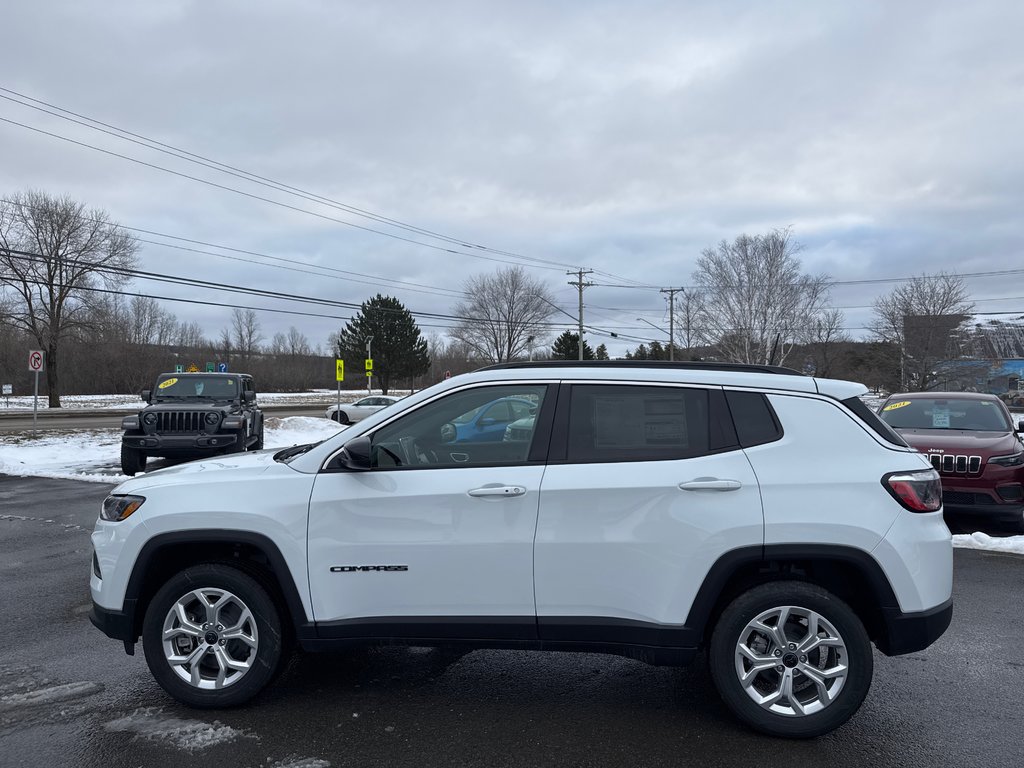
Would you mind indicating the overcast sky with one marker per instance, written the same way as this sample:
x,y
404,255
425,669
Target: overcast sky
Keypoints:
x,y
622,137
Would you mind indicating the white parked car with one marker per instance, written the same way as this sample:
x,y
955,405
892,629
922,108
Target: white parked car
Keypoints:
x,y
767,519
350,413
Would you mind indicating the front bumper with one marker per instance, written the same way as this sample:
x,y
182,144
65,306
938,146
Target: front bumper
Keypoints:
x,y
996,513
157,443
117,625
909,632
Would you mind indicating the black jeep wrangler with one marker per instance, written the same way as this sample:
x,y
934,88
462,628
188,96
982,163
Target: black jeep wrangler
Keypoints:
x,y
192,415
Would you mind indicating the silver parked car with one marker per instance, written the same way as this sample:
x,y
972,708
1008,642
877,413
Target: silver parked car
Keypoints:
x,y
360,409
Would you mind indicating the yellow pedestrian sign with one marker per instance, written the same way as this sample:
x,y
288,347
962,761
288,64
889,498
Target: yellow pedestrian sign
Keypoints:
x,y
369,365
339,370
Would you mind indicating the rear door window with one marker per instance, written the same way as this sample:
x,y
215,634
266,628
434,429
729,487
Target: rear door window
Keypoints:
x,y
611,423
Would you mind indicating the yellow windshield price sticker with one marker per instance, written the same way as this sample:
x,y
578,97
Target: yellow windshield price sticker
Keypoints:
x,y
167,383
894,406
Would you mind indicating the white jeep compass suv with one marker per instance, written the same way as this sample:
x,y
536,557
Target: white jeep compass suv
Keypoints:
x,y
654,511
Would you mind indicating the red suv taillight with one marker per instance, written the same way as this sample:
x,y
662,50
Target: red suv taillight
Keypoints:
x,y
917,491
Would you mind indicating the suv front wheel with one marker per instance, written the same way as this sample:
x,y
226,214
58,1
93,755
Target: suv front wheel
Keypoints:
x,y
791,659
132,460
212,636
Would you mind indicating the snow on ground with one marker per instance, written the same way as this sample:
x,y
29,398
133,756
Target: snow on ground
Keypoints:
x,y
133,403
95,455
1012,544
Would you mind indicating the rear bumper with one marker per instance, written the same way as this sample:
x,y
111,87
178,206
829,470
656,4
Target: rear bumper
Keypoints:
x,y
909,632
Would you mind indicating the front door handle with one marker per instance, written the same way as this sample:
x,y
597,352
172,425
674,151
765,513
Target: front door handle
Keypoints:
x,y
498,490
710,484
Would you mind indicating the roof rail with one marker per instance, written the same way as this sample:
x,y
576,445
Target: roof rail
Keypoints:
x,y
685,365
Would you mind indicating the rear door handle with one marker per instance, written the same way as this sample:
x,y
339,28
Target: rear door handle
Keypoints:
x,y
710,484
498,490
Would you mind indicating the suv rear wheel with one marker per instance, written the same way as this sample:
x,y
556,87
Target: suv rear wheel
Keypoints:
x,y
791,659
212,636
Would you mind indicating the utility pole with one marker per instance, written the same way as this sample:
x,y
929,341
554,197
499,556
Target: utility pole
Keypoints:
x,y
672,319
580,285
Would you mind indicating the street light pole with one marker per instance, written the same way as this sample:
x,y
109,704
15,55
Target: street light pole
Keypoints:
x,y
670,357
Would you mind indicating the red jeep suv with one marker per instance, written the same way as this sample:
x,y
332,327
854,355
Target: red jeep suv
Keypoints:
x,y
972,441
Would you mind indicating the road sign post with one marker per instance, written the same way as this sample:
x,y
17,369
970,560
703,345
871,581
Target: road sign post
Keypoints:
x,y
8,391
339,374
35,365
369,365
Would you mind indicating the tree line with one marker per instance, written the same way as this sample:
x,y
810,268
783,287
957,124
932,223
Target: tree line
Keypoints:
x,y
63,268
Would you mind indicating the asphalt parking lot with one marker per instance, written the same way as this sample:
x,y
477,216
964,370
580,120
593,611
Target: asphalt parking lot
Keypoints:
x,y
70,697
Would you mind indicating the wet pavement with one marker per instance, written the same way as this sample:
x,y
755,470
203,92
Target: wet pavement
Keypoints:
x,y
70,697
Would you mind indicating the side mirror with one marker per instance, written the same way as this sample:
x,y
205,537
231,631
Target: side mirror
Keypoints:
x,y
1020,426
355,456
146,394
248,396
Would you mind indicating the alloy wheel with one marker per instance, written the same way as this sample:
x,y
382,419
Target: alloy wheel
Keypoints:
x,y
791,661
210,638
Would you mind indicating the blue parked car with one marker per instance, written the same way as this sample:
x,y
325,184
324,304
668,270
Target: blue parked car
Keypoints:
x,y
487,423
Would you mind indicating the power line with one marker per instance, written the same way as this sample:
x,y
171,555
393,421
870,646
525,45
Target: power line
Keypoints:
x,y
373,279
267,199
183,154
229,288
191,157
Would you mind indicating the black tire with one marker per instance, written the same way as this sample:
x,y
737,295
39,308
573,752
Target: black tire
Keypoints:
x,y
342,418
265,661
259,439
132,460
731,628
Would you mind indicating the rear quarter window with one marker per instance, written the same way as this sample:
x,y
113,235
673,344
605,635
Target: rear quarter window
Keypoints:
x,y
874,422
756,422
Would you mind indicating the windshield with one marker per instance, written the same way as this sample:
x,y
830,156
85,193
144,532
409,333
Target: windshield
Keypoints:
x,y
946,413
217,387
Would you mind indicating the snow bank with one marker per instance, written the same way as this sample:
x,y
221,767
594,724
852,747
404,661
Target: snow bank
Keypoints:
x,y
324,397
1012,544
95,455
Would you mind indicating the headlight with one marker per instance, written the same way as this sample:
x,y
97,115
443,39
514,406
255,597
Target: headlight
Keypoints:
x,y
212,418
233,422
130,422
149,418
117,508
1013,460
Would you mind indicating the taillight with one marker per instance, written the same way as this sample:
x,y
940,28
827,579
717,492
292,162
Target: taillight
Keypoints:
x,y
917,491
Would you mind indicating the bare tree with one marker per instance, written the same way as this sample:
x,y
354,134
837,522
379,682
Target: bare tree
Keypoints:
x,y
757,304
923,316
826,338
190,336
292,344
689,309
52,251
245,334
504,313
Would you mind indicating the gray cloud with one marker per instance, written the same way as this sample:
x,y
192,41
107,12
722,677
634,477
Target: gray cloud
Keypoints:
x,y
623,137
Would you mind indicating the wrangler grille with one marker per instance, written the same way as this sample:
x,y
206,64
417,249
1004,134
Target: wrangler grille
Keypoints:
x,y
949,464
168,422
